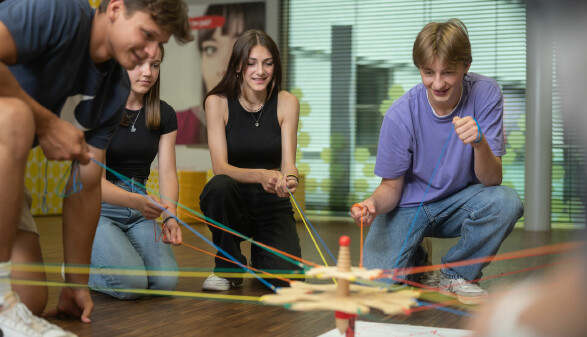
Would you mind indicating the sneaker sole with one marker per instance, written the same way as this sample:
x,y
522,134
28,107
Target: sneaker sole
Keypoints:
x,y
472,300
232,286
469,300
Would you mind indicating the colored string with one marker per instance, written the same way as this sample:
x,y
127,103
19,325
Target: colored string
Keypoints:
x,y
126,180
228,260
361,246
440,306
239,298
287,256
208,221
310,232
422,202
479,133
537,251
142,290
307,222
76,181
44,206
149,271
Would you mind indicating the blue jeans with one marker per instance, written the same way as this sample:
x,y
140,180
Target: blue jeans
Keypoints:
x,y
126,240
481,216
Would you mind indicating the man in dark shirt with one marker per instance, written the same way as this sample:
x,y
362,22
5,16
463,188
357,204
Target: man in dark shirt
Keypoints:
x,y
60,72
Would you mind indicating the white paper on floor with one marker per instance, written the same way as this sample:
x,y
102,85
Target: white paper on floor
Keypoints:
x,y
373,329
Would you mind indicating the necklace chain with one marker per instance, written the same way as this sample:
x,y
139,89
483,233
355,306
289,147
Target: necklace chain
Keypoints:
x,y
252,112
132,127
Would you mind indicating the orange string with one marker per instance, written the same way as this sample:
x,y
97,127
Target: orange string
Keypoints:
x,y
538,251
361,246
237,263
250,240
218,256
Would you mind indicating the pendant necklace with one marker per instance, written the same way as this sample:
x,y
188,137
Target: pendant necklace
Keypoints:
x,y
253,112
132,127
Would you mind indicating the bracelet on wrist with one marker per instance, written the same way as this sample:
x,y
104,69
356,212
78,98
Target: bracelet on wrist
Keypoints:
x,y
166,219
293,176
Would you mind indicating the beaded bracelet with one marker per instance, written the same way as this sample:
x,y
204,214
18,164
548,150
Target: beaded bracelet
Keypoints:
x,y
293,176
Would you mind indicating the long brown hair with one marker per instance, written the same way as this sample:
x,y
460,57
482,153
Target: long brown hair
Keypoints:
x,y
151,102
230,84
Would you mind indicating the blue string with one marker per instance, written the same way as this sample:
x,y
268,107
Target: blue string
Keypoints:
x,y
422,202
312,227
245,268
447,309
44,205
479,133
77,185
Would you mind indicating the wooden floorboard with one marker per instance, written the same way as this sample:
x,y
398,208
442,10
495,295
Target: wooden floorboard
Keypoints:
x,y
186,316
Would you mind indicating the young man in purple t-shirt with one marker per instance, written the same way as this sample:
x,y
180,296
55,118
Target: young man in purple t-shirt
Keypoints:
x,y
447,132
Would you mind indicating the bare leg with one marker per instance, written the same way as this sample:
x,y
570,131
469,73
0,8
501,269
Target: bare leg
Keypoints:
x,y
27,249
18,126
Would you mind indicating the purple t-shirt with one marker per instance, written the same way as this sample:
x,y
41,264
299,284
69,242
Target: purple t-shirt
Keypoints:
x,y
412,138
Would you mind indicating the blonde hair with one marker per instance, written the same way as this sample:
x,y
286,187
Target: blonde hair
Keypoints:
x,y
448,41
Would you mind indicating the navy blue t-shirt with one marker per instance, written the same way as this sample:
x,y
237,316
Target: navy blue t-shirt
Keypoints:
x,y
54,66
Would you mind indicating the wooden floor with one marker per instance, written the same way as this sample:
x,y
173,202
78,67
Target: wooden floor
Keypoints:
x,y
185,316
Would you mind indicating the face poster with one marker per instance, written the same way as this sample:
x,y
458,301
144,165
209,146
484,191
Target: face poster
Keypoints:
x,y
190,71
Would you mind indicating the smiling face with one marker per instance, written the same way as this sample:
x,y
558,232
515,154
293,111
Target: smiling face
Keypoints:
x,y
133,38
258,72
443,84
144,75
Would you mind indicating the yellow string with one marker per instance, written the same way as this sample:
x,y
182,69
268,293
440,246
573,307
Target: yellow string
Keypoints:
x,y
145,291
121,271
310,232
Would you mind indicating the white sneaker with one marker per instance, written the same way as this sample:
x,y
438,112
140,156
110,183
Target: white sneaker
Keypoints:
x,y
216,283
466,292
17,321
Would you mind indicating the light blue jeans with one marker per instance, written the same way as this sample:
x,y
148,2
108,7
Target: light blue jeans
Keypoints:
x,y
126,240
481,216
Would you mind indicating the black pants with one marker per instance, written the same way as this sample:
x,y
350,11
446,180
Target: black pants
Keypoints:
x,y
251,211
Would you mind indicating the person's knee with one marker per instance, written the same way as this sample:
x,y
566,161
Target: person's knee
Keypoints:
x,y
216,189
509,202
135,282
168,283
14,112
219,184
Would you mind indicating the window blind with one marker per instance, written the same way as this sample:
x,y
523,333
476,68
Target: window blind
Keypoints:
x,y
344,93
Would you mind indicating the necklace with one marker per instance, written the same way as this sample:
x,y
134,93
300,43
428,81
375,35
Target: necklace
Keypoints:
x,y
132,127
252,112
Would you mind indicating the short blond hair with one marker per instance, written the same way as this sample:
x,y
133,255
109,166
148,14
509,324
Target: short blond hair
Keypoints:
x,y
448,41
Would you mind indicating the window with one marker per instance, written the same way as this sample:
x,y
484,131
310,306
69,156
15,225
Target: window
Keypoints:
x,y
345,92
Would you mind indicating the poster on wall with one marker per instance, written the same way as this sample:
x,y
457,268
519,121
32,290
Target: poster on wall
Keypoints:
x,y
216,27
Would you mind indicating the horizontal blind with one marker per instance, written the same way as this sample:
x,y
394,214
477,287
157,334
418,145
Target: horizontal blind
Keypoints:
x,y
338,131
568,167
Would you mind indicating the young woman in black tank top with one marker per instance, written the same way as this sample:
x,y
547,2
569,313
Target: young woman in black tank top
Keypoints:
x,y
252,135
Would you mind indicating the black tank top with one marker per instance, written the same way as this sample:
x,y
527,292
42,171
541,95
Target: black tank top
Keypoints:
x,y
250,146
